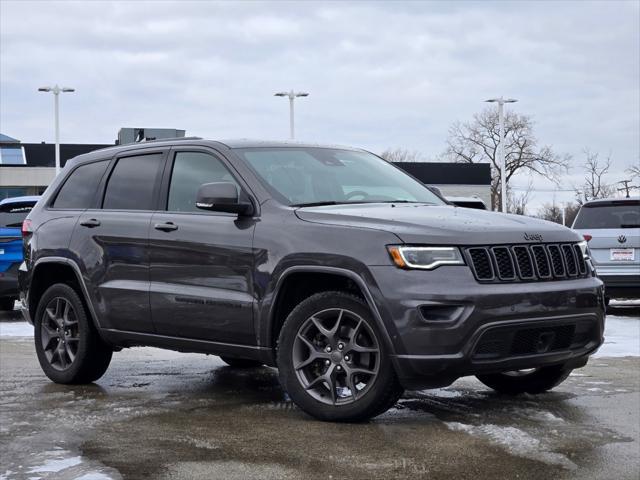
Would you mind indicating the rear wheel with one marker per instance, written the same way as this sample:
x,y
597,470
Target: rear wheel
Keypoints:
x,y
6,304
68,346
536,380
241,362
332,360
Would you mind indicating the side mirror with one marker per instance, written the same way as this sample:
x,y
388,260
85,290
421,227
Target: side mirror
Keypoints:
x,y
222,197
435,190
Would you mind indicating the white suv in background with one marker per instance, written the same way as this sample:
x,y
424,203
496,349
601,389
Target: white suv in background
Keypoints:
x,y
612,228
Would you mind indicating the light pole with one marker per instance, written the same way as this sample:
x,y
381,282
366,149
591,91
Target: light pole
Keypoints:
x,y
292,95
56,93
503,194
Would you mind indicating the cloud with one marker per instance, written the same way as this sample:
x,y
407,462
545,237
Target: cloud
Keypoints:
x,y
380,74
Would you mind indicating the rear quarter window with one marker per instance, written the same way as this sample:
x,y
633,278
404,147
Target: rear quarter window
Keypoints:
x,y
79,190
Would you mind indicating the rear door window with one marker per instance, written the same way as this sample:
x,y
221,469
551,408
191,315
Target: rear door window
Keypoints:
x,y
79,190
132,183
609,215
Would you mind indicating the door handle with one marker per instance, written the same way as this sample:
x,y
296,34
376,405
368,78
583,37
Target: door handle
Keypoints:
x,y
166,227
91,223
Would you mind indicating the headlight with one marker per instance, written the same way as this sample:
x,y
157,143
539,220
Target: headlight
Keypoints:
x,y
426,258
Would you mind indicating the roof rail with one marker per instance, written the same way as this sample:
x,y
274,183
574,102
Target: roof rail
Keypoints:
x,y
144,143
171,139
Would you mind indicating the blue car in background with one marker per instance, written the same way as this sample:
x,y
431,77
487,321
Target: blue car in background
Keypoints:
x,y
13,211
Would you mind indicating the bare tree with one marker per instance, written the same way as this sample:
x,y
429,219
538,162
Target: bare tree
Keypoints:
x,y
594,185
571,212
550,212
517,202
401,155
554,212
477,141
633,171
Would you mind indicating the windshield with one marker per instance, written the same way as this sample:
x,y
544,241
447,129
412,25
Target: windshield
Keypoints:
x,y
616,215
12,214
316,176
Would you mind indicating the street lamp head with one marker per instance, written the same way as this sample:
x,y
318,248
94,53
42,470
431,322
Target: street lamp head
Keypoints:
x,y
44,89
281,94
67,89
302,94
501,100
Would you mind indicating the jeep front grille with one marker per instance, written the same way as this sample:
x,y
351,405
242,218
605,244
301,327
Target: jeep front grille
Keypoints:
x,y
526,263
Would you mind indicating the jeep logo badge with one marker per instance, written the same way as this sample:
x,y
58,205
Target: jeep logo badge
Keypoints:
x,y
622,239
533,237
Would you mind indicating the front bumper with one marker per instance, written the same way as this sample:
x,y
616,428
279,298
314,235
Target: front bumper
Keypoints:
x,y
426,371
441,323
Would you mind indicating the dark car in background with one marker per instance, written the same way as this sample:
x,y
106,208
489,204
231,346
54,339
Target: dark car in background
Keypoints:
x,y
13,211
351,277
612,228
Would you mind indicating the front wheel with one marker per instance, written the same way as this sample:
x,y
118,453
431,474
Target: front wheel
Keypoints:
x,y
536,380
333,362
68,346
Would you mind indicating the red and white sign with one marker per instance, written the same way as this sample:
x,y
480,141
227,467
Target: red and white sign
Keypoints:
x,y
622,254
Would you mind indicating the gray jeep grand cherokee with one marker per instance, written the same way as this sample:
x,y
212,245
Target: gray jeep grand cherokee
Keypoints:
x,y
350,276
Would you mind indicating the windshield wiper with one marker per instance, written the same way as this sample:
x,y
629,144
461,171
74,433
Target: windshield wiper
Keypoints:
x,y
402,201
320,204
359,202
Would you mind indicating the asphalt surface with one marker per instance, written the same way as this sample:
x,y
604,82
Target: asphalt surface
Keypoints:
x,y
161,414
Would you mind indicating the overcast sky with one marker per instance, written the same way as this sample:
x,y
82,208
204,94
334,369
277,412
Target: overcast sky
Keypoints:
x,y
379,74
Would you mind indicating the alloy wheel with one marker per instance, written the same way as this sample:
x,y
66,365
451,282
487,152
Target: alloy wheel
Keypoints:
x,y
59,333
336,356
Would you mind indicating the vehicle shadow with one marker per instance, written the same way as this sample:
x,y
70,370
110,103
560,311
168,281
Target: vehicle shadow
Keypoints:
x,y
628,308
12,316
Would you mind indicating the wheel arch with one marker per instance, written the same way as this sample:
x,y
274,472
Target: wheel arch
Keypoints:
x,y
51,270
347,280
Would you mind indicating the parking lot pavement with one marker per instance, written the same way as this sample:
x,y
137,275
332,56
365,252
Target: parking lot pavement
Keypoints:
x,y
160,414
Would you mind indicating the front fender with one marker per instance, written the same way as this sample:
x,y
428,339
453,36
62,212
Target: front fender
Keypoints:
x,y
360,276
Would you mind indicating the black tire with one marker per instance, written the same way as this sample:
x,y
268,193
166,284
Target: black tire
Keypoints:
x,y
538,380
6,304
241,362
380,391
92,356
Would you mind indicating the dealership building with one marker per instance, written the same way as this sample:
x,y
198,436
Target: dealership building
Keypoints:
x,y
28,168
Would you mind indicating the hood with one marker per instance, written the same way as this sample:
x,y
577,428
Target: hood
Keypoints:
x,y
440,225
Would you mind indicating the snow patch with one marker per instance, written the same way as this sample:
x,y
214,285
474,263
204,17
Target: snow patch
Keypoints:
x,y
56,465
442,393
621,337
94,476
15,329
515,441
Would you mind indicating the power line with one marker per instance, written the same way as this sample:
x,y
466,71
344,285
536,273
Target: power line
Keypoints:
x,y
514,187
